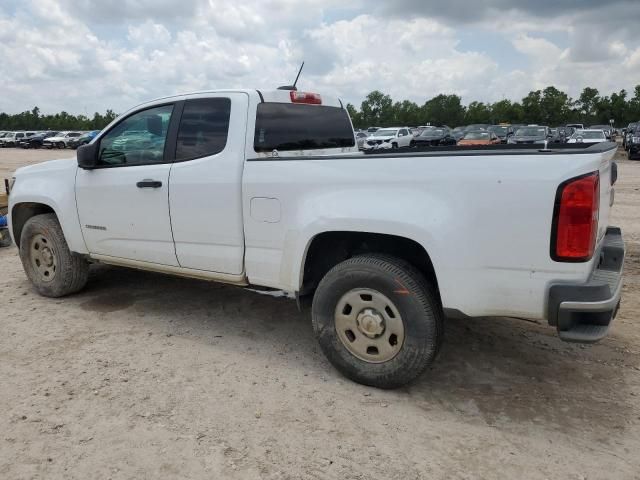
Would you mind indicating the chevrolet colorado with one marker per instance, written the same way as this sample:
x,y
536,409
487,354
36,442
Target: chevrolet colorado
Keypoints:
x,y
267,188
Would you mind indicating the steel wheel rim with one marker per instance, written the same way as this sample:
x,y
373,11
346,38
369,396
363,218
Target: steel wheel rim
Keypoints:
x,y
43,258
369,325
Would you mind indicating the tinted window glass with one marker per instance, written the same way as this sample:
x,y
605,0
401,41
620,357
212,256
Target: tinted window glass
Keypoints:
x,y
203,128
138,139
284,126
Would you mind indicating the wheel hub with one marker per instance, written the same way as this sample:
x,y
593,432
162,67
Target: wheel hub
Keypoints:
x,y
43,258
370,323
47,256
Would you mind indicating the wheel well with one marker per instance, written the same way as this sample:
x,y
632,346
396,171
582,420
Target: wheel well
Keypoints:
x,y
330,248
23,212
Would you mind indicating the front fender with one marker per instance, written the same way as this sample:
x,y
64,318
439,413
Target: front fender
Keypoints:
x,y
51,184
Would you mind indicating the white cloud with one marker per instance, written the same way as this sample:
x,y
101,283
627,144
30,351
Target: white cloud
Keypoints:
x,y
72,55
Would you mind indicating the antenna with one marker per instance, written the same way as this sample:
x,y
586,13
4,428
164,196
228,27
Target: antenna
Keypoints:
x,y
293,87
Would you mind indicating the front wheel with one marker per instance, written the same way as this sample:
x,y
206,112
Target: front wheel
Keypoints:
x,y
377,320
46,258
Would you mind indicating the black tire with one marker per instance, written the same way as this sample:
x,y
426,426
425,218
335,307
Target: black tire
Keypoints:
x,y
412,143
71,271
413,297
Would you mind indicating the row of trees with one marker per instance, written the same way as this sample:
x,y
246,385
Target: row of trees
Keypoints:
x,y
34,120
545,107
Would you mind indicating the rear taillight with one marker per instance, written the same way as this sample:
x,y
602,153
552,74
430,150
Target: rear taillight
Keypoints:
x,y
305,97
575,219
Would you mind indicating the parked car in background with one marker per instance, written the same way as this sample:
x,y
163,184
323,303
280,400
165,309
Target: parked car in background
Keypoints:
x,y
83,139
577,126
588,136
361,137
530,134
12,139
633,149
33,141
386,138
437,136
36,140
605,128
479,137
474,127
458,132
501,131
372,129
627,134
60,140
420,128
562,134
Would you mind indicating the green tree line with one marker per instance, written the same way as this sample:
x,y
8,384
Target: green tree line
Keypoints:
x,y
34,120
549,106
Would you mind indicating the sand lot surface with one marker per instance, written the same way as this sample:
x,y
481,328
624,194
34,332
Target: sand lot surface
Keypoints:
x,y
147,376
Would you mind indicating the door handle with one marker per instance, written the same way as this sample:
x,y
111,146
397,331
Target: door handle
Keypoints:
x,y
147,183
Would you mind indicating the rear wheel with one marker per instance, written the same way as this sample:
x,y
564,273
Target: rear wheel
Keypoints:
x,y
377,320
46,258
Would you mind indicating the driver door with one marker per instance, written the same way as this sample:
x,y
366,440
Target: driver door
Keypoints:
x,y
123,204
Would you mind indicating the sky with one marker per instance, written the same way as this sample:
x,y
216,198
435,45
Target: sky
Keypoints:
x,y
83,56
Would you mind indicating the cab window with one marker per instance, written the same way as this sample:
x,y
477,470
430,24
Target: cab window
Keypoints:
x,y
138,139
204,127
287,127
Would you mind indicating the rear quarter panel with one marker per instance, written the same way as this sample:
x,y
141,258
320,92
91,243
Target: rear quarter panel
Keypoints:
x,y
484,220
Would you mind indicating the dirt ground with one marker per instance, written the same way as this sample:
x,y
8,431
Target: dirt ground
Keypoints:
x,y
149,376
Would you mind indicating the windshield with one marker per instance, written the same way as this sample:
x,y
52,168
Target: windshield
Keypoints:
x,y
531,132
499,130
385,133
589,135
477,136
432,132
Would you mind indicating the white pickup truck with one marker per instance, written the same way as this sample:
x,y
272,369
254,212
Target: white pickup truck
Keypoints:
x,y
268,189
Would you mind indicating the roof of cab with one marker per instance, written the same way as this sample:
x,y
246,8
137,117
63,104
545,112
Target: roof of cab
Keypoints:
x,y
274,96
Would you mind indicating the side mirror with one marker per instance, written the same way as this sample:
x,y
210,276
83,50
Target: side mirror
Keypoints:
x,y
87,156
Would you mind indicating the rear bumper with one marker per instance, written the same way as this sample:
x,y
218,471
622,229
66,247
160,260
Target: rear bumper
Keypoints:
x,y
583,312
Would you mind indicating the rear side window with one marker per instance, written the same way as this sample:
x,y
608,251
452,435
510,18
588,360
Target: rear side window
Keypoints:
x,y
284,126
204,128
